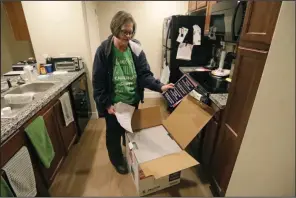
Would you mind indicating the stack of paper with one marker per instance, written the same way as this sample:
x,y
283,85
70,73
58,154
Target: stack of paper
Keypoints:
x,y
124,114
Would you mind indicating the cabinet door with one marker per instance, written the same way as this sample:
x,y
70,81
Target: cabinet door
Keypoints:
x,y
247,74
209,142
223,159
191,6
53,132
17,20
260,21
201,4
68,133
11,146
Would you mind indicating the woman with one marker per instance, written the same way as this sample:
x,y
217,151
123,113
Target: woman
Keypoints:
x,y
120,74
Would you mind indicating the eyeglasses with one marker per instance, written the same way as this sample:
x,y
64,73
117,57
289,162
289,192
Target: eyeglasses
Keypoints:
x,y
127,33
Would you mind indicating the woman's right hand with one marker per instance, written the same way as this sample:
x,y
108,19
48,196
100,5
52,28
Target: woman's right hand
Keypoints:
x,y
111,110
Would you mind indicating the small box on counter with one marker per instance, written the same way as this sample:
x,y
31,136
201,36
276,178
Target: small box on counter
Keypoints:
x,y
182,88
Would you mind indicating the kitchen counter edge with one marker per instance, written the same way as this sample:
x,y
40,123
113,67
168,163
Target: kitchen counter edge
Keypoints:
x,y
10,125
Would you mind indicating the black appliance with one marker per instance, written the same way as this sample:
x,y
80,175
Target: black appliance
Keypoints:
x,y
208,83
81,103
228,60
216,52
201,54
227,19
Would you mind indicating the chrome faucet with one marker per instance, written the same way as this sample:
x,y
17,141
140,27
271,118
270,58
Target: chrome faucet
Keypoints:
x,y
8,82
21,80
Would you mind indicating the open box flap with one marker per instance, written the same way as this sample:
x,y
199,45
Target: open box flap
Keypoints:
x,y
187,120
145,118
168,164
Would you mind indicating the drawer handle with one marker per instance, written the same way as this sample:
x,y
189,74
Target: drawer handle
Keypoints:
x,y
254,50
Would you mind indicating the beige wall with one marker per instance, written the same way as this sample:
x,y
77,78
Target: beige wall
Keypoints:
x,y
149,16
92,26
12,50
266,162
60,27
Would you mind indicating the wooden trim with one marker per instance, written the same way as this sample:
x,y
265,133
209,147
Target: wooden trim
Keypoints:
x,y
253,50
17,19
231,130
254,45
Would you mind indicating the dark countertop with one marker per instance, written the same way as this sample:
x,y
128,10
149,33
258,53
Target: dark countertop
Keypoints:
x,y
10,125
219,99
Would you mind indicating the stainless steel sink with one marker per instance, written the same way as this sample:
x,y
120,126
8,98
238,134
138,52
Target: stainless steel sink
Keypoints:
x,y
36,87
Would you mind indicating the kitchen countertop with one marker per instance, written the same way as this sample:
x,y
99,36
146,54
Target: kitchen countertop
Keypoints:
x,y
10,125
219,99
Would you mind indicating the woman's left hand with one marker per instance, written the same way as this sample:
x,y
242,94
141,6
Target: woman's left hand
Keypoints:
x,y
167,87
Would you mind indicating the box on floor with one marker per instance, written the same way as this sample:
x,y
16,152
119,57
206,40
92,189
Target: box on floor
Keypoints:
x,y
156,152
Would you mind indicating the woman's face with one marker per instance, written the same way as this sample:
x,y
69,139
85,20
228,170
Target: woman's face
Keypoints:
x,y
126,33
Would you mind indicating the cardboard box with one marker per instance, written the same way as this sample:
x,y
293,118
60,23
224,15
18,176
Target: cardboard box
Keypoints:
x,y
155,151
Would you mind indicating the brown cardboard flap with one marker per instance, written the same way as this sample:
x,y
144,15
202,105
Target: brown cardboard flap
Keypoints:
x,y
187,120
147,117
168,164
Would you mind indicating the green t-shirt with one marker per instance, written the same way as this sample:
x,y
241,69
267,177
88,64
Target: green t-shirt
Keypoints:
x,y
124,77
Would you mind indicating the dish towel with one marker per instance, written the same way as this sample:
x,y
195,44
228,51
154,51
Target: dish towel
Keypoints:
x,y
67,108
20,174
40,139
5,189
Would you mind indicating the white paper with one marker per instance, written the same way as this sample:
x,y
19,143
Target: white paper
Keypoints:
x,y
165,74
124,114
184,51
153,143
196,35
182,34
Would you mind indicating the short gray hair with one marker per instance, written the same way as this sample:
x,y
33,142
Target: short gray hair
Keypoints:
x,y
119,19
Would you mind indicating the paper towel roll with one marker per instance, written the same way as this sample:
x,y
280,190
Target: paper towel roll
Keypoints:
x,y
222,58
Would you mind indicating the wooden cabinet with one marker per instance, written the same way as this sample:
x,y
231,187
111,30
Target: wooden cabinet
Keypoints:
x,y
11,146
191,6
249,68
209,143
68,133
201,5
16,16
208,16
62,138
196,5
251,57
259,23
57,143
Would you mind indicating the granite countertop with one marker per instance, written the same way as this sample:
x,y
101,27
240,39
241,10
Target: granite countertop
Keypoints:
x,y
219,99
10,125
